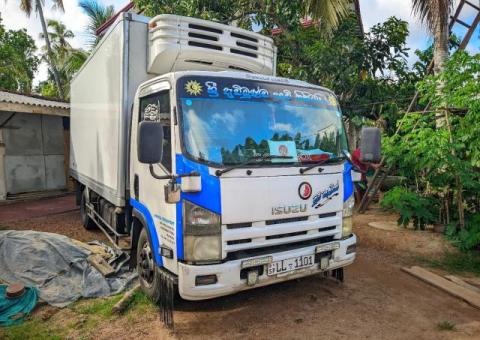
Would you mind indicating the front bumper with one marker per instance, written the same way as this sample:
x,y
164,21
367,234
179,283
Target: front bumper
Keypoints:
x,y
228,273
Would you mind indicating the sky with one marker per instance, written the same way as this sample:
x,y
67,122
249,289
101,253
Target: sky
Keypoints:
x,y
373,12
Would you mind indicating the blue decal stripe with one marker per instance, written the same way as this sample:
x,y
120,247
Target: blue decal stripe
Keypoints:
x,y
151,229
179,231
347,181
208,198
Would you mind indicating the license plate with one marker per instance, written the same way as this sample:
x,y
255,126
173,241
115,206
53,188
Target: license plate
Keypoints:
x,y
288,265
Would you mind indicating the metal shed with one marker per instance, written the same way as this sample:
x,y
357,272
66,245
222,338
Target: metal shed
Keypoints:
x,y
33,144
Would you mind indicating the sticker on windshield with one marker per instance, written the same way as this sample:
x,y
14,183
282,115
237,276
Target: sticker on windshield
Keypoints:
x,y
282,148
193,88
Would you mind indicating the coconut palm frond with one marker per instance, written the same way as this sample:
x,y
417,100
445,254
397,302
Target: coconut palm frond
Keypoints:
x,y
98,14
328,12
58,5
26,6
432,12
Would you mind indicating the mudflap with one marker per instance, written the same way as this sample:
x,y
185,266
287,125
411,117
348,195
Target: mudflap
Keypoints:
x,y
338,274
167,296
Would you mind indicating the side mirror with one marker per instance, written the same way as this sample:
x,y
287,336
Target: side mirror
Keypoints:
x,y
150,142
370,145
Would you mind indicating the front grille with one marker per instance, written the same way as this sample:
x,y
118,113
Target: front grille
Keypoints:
x,y
331,214
298,233
241,254
246,240
239,225
286,220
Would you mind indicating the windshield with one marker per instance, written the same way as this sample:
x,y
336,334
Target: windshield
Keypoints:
x,y
227,121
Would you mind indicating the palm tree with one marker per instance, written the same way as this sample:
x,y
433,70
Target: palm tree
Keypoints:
x,y
97,14
28,6
328,12
435,14
58,36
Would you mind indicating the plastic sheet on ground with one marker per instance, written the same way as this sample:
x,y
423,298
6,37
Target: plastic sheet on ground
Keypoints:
x,y
57,266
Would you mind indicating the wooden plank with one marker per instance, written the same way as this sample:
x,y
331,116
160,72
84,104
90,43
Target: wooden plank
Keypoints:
x,y
448,286
462,283
122,304
101,265
473,280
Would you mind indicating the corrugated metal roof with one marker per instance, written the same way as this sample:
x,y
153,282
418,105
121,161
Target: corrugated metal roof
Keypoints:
x,y
17,98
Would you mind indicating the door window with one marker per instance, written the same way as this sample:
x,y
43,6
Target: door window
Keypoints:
x,y
156,108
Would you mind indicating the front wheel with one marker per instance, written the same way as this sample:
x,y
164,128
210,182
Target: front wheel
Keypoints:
x,y
148,273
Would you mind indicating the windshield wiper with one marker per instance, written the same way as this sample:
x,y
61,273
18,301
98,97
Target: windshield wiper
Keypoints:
x,y
323,161
251,160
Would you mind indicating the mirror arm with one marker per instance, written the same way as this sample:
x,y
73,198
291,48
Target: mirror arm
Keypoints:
x,y
154,175
172,177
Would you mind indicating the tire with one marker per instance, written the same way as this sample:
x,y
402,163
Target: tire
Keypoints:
x,y
87,222
148,272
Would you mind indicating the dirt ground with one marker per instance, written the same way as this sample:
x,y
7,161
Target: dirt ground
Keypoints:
x,y
377,300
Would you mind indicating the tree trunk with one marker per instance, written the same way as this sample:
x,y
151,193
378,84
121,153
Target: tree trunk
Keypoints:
x,y
51,60
440,55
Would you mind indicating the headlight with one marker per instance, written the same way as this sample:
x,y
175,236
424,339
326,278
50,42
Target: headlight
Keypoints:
x,y
347,216
202,233
348,207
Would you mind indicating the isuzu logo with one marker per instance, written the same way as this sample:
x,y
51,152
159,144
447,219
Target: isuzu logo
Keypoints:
x,y
289,209
305,190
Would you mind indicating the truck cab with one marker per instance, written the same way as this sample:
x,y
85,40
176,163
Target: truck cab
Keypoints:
x,y
247,186
221,176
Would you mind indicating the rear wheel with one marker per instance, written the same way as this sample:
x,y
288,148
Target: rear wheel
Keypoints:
x,y
87,222
148,273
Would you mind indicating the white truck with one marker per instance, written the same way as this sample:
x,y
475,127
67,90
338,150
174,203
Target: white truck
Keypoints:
x,y
216,175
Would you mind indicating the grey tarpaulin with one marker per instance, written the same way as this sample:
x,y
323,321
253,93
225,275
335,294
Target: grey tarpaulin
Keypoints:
x,y
57,266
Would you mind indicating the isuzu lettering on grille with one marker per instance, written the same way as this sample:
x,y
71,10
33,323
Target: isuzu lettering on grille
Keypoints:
x,y
289,209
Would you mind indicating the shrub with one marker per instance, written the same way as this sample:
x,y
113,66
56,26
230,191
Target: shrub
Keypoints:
x,y
468,237
410,206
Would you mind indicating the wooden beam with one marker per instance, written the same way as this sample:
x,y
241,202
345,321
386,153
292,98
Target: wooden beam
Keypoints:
x,y
41,110
450,287
462,283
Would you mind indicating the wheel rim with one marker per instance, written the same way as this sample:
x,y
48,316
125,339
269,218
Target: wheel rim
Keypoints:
x,y
145,264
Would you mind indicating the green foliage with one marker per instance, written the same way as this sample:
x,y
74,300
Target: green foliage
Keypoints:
x,y
68,60
410,206
268,14
362,71
435,157
97,14
467,238
30,329
446,326
18,62
456,262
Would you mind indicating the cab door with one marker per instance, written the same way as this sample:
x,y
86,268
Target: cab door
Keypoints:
x,y
154,103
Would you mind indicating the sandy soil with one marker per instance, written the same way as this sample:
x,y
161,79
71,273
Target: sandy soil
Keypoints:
x,y
67,223
377,300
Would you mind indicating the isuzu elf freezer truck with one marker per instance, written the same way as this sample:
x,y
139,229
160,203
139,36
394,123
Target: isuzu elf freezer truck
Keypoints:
x,y
214,174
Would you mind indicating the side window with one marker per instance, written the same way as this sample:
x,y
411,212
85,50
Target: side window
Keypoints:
x,y
156,108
